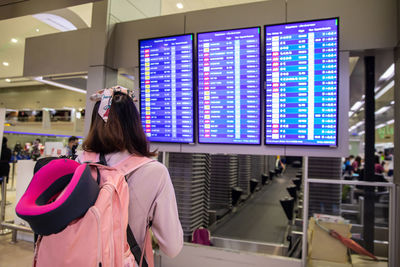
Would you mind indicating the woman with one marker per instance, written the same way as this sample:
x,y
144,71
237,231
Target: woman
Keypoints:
x,y
5,160
356,165
378,166
116,132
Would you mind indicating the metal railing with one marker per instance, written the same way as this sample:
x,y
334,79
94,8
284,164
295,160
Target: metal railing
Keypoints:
x,y
7,227
3,230
392,197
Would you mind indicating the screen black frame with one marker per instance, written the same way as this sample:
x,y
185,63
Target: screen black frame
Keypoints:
x,y
260,93
337,85
193,86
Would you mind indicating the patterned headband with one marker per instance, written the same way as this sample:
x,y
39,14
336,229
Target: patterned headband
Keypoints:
x,y
105,97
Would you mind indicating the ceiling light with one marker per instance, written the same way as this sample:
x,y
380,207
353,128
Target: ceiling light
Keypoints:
x,y
380,126
37,30
389,73
359,123
55,21
390,122
352,128
361,133
382,110
179,5
8,80
355,126
5,63
71,88
392,102
357,105
13,40
384,89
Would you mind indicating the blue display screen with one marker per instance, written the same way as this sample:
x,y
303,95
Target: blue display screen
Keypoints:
x,y
166,88
302,83
229,86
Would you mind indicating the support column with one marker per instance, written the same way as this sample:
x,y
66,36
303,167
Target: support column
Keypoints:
x,y
46,123
396,178
369,169
2,120
101,73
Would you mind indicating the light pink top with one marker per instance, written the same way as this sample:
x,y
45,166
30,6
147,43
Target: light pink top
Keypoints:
x,y
152,197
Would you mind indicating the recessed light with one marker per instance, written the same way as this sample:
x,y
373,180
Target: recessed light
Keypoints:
x,y
8,80
37,30
5,63
179,5
13,40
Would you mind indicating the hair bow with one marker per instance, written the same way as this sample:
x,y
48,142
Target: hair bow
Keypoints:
x,y
105,97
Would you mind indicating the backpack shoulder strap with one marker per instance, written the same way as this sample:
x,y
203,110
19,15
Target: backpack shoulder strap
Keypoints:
x,y
135,249
131,163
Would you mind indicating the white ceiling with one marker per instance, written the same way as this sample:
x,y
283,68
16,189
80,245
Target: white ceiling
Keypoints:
x,y
170,6
21,28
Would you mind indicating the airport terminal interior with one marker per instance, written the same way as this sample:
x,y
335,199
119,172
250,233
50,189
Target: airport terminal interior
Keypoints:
x,y
275,119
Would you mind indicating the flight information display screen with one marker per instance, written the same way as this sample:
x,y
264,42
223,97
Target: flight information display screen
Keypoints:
x,y
302,83
229,86
166,88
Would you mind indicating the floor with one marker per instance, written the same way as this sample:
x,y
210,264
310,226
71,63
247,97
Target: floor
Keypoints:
x,y
261,218
15,255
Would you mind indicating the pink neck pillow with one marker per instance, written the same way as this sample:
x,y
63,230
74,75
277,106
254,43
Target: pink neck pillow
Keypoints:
x,y
60,192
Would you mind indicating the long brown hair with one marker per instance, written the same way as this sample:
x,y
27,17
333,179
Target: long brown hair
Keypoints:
x,y
122,131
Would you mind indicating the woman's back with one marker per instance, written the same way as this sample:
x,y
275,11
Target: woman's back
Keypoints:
x,y
117,133
152,198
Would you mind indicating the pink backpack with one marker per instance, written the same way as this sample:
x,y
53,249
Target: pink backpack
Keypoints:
x,y
99,238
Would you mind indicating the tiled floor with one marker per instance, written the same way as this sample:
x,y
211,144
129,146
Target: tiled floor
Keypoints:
x,y
15,255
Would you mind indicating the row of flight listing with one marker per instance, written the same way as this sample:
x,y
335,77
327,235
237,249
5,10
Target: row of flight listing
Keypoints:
x,y
301,85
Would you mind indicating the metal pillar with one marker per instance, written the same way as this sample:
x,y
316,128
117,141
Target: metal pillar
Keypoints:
x,y
369,169
396,178
304,253
13,176
3,231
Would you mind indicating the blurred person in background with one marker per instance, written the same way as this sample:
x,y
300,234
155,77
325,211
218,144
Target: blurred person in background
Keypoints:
x,y
379,166
5,159
73,143
356,165
35,154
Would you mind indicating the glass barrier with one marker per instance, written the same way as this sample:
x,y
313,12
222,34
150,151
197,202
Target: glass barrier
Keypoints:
x,y
361,212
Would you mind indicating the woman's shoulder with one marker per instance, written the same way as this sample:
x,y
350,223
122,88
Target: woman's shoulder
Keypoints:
x,y
154,166
152,170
